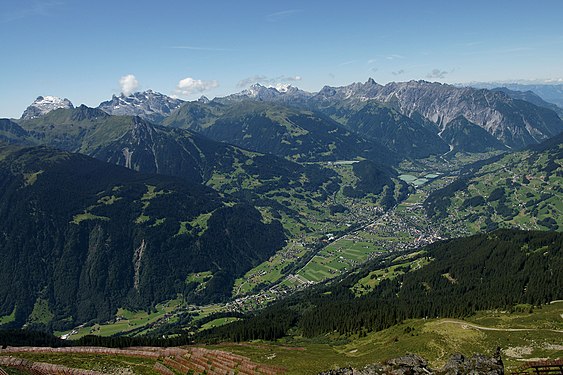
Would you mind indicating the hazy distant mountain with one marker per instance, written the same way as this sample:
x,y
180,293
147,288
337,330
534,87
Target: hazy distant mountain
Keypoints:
x,y
43,105
550,92
287,94
531,97
149,105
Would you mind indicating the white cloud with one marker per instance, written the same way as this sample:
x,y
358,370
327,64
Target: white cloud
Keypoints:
x,y
347,62
188,86
37,8
280,16
437,73
195,48
394,57
128,84
252,80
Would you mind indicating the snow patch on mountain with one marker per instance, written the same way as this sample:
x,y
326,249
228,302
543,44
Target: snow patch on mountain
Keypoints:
x,y
150,105
281,92
45,104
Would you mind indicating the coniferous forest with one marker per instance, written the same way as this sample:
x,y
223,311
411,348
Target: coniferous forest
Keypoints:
x,y
486,271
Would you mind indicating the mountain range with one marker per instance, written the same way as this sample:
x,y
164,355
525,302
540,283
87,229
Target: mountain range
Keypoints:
x,y
100,203
290,132
515,122
531,97
407,118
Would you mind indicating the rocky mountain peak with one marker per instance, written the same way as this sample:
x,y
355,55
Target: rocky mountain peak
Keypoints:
x,y
45,104
149,104
262,92
203,99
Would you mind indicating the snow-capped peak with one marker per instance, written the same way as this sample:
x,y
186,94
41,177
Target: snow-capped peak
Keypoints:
x,y
45,104
150,105
260,92
281,87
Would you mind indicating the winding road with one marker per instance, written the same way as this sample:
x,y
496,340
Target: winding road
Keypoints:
x,y
466,325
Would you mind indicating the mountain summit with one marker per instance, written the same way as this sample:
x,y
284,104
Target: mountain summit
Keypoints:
x,y
150,105
43,105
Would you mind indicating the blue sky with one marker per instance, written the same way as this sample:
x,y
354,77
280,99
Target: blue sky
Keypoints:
x,y
81,49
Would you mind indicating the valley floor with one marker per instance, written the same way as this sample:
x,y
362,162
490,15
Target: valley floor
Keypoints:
x,y
367,233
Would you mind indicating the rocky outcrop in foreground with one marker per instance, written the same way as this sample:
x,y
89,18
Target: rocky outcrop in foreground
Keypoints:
x,y
412,364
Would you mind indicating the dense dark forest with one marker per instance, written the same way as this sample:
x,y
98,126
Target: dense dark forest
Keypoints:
x,y
81,238
38,338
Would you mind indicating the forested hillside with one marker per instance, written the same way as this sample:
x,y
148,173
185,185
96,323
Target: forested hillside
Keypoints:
x,y
297,134
81,238
522,189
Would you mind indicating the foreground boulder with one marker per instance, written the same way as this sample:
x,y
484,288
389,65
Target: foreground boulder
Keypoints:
x,y
412,364
478,364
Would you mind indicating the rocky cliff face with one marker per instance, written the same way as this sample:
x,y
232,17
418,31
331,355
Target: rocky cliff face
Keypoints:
x,y
516,123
